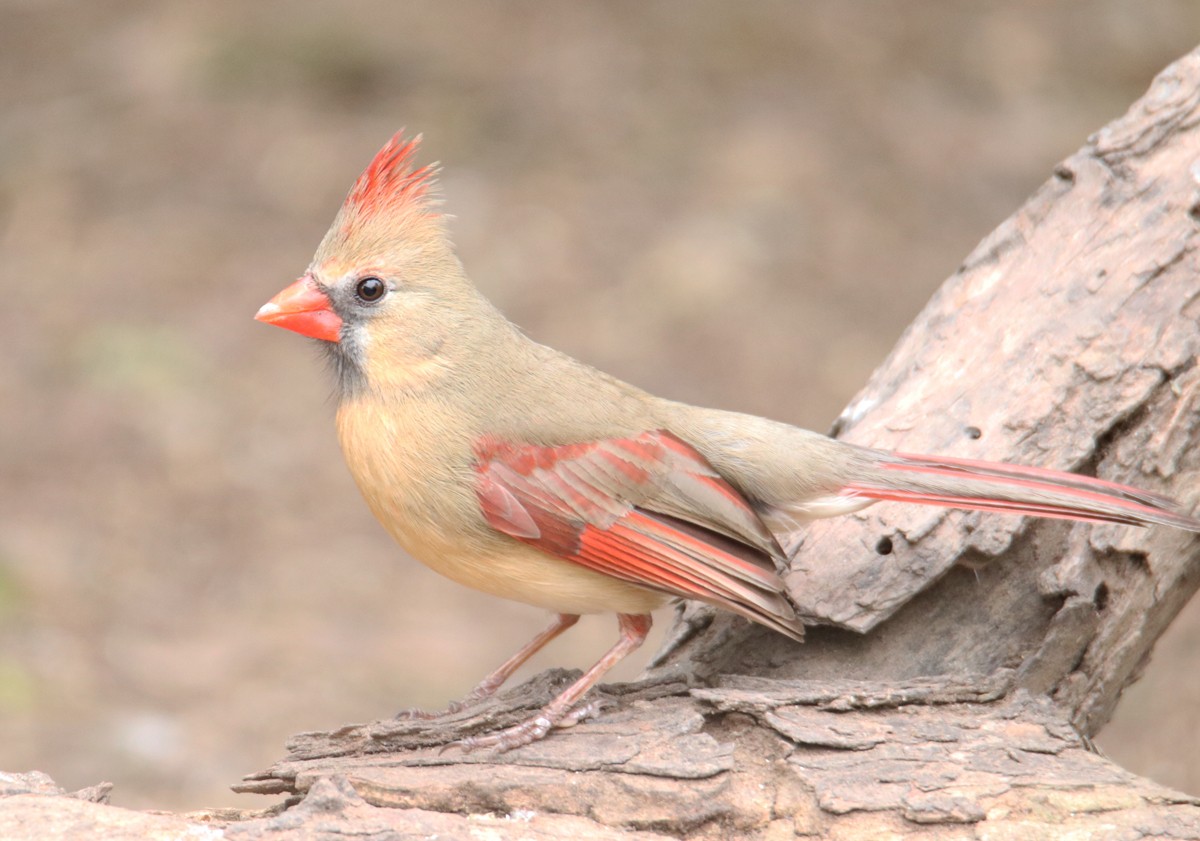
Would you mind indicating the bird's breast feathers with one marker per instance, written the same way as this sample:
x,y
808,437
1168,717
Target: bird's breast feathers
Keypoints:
x,y
419,483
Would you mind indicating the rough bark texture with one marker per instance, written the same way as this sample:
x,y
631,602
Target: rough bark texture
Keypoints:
x,y
1068,339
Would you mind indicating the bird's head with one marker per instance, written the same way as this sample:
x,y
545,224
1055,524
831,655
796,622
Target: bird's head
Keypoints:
x,y
385,293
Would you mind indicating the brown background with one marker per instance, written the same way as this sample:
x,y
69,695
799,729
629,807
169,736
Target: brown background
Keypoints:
x,y
735,204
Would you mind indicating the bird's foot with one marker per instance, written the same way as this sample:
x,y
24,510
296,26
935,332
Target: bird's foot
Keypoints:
x,y
527,732
452,708
417,714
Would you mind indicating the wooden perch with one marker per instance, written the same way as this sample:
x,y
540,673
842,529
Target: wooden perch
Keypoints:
x,y
1068,339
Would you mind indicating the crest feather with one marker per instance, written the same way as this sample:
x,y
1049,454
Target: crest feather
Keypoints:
x,y
391,182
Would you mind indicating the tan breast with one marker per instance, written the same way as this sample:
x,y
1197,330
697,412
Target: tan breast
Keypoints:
x,y
417,481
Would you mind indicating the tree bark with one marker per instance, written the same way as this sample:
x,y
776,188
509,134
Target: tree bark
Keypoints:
x,y
1068,339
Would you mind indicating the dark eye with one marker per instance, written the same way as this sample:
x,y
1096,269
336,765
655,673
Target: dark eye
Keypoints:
x,y
370,289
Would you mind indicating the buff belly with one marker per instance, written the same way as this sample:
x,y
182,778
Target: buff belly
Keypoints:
x,y
512,570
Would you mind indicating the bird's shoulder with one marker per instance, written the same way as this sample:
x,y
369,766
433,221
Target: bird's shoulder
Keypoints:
x,y
550,398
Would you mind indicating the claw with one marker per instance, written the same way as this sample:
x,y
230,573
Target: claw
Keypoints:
x,y
578,714
525,733
415,714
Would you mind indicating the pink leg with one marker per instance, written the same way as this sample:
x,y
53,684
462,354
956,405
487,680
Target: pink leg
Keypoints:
x,y
562,710
488,686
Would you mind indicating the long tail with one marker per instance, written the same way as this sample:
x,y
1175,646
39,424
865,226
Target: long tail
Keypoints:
x,y
989,486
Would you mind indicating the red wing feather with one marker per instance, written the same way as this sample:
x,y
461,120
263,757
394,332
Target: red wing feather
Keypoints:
x,y
649,510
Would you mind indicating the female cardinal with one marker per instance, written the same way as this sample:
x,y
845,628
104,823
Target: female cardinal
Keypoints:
x,y
515,469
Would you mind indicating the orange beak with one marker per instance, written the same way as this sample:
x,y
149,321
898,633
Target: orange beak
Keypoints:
x,y
304,308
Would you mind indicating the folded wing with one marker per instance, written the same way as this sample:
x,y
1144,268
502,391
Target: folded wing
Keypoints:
x,y
647,509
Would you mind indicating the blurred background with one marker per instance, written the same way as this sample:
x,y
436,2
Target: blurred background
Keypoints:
x,y
735,204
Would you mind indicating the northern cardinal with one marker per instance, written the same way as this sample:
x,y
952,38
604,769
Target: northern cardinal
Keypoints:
x,y
515,469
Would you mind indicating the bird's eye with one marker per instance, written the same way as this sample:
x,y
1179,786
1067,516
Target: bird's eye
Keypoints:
x,y
370,289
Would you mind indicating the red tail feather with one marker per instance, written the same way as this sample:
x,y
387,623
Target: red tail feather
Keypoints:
x,y
990,486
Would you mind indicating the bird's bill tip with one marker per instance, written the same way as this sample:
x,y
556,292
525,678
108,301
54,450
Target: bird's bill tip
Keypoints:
x,y
267,311
305,309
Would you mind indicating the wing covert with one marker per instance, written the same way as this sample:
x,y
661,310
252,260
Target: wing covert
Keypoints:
x,y
648,509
